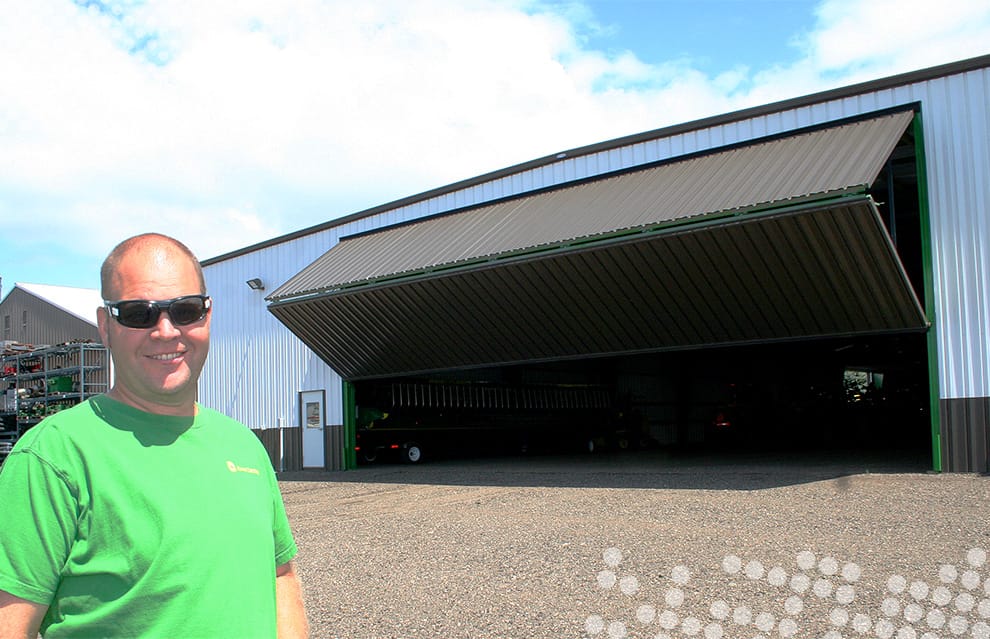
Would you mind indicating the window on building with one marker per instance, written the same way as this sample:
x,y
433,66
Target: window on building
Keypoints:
x,y
6,326
24,322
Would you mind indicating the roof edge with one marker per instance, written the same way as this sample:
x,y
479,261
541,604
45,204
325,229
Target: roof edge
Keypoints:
x,y
47,300
943,70
701,221
913,107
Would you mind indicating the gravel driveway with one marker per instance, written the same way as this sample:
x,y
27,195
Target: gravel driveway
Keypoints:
x,y
644,545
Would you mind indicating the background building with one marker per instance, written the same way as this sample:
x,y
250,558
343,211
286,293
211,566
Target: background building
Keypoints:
x,y
812,273
50,357
43,314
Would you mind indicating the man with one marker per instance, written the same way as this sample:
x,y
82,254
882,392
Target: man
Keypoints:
x,y
140,513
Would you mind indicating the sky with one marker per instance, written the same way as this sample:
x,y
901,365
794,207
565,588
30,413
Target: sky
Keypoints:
x,y
229,122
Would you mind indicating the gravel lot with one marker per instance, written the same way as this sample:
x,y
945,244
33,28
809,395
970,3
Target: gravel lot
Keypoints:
x,y
644,545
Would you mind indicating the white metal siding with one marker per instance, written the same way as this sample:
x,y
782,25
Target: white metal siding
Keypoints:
x,y
257,366
957,138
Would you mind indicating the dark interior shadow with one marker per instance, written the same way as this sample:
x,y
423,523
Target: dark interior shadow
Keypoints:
x,y
702,470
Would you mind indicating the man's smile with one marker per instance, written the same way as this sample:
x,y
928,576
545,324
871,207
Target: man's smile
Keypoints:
x,y
165,357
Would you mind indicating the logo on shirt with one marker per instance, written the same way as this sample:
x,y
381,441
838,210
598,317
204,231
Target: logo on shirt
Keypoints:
x,y
234,468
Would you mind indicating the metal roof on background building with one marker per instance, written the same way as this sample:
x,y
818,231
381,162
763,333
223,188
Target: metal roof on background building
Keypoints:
x,y
42,314
80,302
806,165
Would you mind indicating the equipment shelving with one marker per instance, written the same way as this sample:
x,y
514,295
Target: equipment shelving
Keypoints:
x,y
40,382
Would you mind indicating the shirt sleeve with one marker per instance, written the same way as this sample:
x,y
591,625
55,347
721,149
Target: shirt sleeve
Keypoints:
x,y
37,528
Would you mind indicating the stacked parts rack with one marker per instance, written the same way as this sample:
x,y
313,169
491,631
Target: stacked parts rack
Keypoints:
x,y
43,381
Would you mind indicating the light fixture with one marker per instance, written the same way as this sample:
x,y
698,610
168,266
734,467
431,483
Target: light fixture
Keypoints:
x,y
256,284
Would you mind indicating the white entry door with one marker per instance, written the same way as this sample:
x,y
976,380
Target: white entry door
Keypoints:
x,y
312,417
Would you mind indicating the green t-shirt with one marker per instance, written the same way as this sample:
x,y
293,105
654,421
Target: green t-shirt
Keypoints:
x,y
129,524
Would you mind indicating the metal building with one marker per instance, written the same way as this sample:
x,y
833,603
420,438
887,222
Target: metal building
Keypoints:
x,y
856,219
42,314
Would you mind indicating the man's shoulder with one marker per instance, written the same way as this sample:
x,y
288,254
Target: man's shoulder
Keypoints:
x,y
213,417
58,439
218,422
226,433
65,423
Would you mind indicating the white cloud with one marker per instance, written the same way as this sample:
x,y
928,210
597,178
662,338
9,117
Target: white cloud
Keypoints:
x,y
896,35
232,121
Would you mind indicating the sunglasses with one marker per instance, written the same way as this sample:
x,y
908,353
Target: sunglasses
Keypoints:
x,y
182,311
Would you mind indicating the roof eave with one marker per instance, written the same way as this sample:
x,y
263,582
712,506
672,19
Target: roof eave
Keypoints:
x,y
902,79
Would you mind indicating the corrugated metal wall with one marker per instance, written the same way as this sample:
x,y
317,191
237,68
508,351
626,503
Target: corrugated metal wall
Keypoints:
x,y
34,321
258,367
957,138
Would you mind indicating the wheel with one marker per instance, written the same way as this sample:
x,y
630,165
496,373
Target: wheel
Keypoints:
x,y
412,453
369,455
591,445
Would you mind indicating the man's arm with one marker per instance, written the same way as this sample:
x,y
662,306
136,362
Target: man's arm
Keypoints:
x,y
288,598
19,618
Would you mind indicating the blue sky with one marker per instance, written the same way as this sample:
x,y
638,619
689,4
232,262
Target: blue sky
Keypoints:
x,y
230,122
716,35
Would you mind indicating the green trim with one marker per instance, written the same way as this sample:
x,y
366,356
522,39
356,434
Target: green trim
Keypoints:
x,y
350,427
929,277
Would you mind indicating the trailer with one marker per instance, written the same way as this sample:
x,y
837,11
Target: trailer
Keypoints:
x,y
405,419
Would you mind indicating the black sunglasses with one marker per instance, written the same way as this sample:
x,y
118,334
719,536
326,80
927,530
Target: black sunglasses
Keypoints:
x,y
182,311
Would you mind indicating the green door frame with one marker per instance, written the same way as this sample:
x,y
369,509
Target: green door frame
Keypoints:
x,y
350,425
928,266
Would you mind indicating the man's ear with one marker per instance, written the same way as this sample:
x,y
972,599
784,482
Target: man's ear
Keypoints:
x,y
103,320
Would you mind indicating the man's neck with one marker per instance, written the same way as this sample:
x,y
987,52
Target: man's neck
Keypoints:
x,y
181,407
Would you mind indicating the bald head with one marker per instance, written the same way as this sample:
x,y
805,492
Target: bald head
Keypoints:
x,y
157,247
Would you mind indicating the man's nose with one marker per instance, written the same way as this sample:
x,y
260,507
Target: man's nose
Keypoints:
x,y
165,328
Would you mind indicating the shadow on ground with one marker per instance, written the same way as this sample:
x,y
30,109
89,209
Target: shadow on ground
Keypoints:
x,y
640,469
